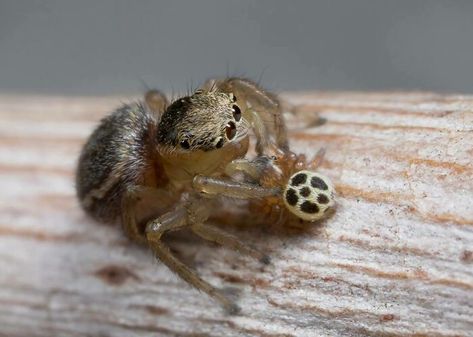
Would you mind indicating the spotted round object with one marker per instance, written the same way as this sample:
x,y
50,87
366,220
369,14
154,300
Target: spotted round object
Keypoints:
x,y
308,195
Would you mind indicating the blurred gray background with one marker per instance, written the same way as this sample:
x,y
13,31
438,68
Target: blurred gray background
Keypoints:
x,y
113,47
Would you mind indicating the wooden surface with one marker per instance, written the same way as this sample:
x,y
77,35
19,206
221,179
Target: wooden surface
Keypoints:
x,y
395,260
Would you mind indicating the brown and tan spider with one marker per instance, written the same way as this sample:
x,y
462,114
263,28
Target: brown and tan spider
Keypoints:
x,y
161,167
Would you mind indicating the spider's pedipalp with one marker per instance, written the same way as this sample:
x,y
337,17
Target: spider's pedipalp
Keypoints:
x,y
308,195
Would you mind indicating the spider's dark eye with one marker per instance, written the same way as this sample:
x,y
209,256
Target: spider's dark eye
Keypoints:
x,y
230,130
185,144
234,98
219,143
236,112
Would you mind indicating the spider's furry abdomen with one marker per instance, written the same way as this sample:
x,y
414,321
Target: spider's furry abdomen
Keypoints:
x,y
115,157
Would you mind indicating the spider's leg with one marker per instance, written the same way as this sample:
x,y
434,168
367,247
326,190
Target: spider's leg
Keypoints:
x,y
130,201
214,186
224,238
175,220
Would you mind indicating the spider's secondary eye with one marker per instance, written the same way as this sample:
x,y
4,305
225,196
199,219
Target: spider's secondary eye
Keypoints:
x,y
219,143
230,130
236,112
234,98
185,144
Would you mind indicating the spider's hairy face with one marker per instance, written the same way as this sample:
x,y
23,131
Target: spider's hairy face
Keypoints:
x,y
206,120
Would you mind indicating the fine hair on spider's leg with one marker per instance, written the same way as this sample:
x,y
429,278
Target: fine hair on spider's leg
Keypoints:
x,y
175,220
130,200
231,188
128,214
317,160
215,234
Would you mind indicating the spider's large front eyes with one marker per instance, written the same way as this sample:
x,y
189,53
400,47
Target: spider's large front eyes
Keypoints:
x,y
236,112
230,130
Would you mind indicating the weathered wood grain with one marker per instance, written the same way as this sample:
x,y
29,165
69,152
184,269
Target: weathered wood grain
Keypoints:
x,y
396,259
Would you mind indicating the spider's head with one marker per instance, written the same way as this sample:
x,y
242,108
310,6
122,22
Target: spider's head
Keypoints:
x,y
309,195
206,121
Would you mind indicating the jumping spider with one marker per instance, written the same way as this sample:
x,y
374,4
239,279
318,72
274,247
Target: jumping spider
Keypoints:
x,y
161,167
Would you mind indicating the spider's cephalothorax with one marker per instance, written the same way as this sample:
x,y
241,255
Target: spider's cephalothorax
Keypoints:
x,y
204,121
201,134
161,167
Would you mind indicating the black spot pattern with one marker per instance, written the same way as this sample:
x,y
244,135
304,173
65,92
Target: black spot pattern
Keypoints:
x,y
298,179
291,197
322,199
318,183
304,191
309,207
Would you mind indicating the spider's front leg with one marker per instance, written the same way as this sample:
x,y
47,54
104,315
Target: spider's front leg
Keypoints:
x,y
261,108
304,192
215,234
192,213
214,186
183,215
253,170
134,211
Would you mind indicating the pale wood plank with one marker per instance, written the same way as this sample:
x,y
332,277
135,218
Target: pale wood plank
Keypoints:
x,y
395,260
